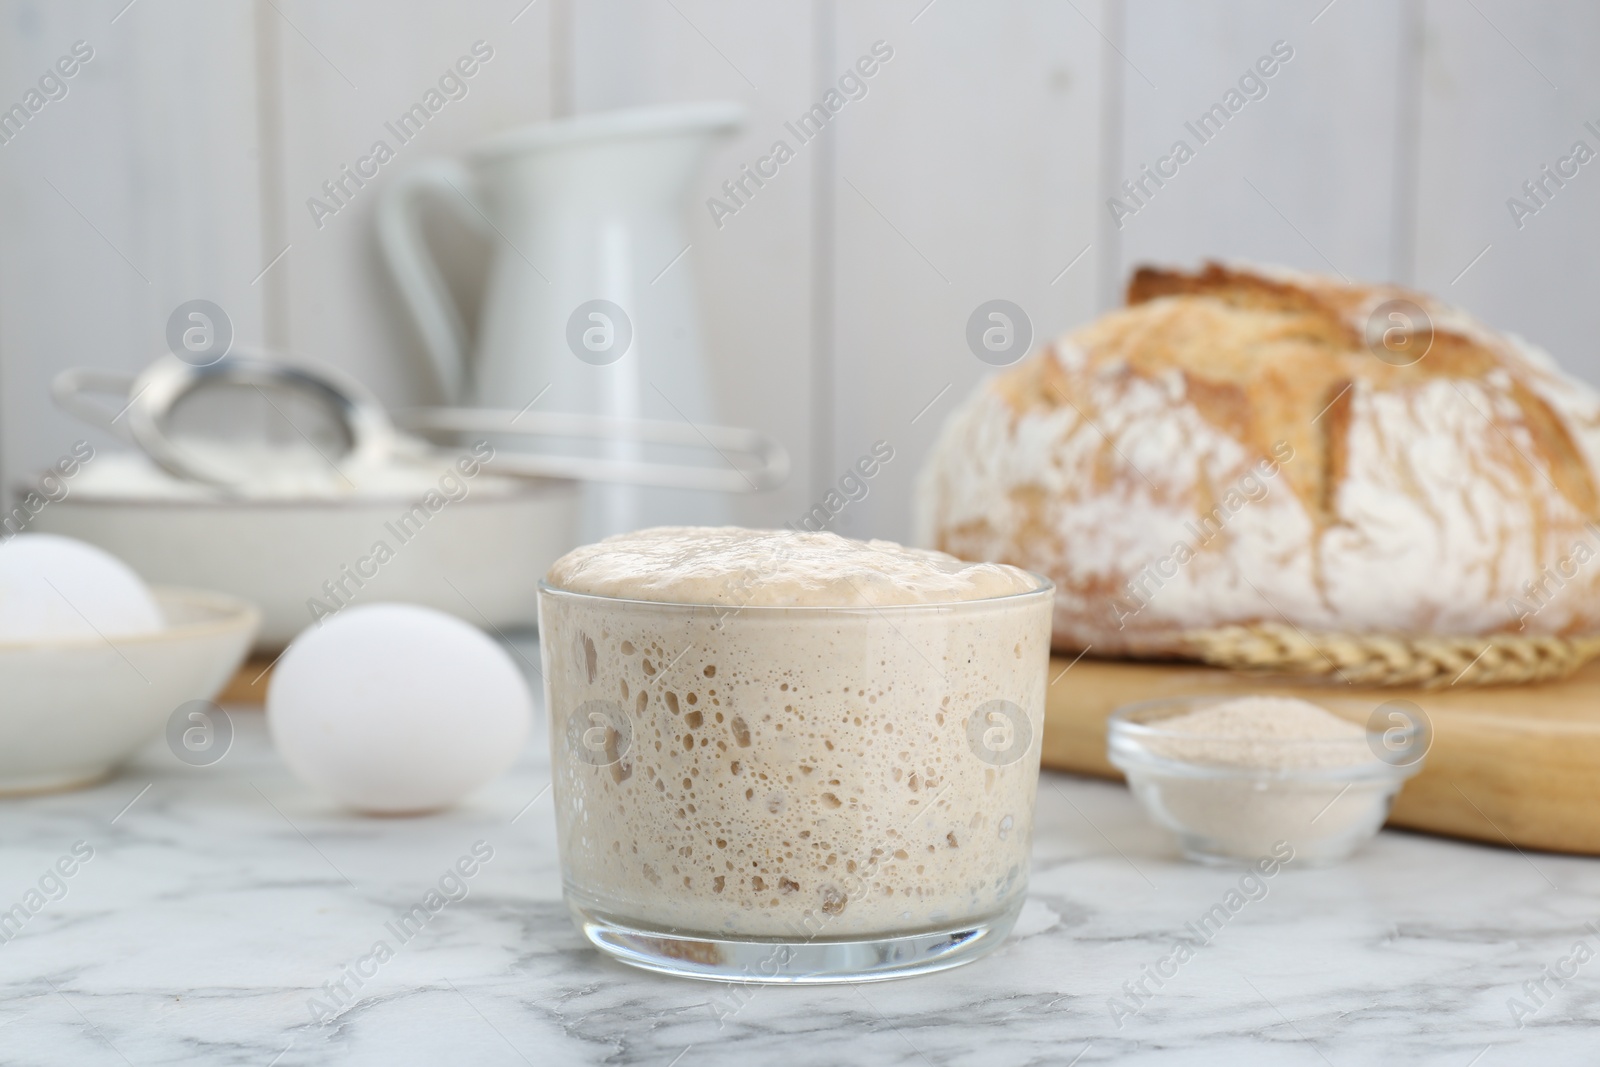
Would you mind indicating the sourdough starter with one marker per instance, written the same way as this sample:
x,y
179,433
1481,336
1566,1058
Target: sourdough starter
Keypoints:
x,y
732,758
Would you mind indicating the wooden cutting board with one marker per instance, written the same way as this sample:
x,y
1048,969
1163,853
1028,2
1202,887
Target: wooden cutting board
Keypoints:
x,y
1515,765
1510,765
248,686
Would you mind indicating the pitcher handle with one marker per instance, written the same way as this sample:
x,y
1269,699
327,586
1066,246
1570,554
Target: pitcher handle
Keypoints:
x,y
438,319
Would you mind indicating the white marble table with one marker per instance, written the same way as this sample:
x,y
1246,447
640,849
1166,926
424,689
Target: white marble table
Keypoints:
x,y
218,902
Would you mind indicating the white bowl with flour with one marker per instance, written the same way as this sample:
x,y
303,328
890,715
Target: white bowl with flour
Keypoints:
x,y
471,544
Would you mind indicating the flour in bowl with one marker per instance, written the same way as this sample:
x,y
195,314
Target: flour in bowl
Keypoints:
x,y
1272,733
1237,778
130,476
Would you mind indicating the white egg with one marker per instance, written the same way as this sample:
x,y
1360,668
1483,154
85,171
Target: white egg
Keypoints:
x,y
54,588
395,708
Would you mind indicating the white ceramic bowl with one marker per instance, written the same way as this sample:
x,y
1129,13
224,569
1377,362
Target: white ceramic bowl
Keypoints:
x,y
480,558
71,710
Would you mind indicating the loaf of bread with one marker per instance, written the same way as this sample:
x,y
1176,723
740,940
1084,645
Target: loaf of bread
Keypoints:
x,y
1243,446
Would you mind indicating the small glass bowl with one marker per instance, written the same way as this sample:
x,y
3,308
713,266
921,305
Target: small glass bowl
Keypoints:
x,y
1236,802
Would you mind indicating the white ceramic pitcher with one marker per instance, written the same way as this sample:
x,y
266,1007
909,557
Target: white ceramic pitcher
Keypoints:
x,y
590,303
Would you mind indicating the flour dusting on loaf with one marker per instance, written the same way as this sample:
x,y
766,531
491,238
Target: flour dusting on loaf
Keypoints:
x,y
1227,449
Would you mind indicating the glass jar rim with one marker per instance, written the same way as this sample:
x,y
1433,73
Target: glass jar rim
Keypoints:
x,y
1045,589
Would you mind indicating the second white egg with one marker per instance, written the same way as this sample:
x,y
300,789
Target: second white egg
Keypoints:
x,y
396,708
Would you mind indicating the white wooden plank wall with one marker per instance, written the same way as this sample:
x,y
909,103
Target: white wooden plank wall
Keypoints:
x,y
976,166
754,272
1306,174
343,71
135,192
966,175
1507,89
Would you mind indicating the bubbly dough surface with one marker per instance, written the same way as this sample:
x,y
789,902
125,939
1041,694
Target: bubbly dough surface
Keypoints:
x,y
732,565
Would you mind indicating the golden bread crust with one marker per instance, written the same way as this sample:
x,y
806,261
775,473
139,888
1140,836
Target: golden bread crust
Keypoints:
x,y
1423,498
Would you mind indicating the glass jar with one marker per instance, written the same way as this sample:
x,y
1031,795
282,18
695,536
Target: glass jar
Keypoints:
x,y
794,794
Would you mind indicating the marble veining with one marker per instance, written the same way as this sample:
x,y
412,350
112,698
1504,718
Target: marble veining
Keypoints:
x,y
221,902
